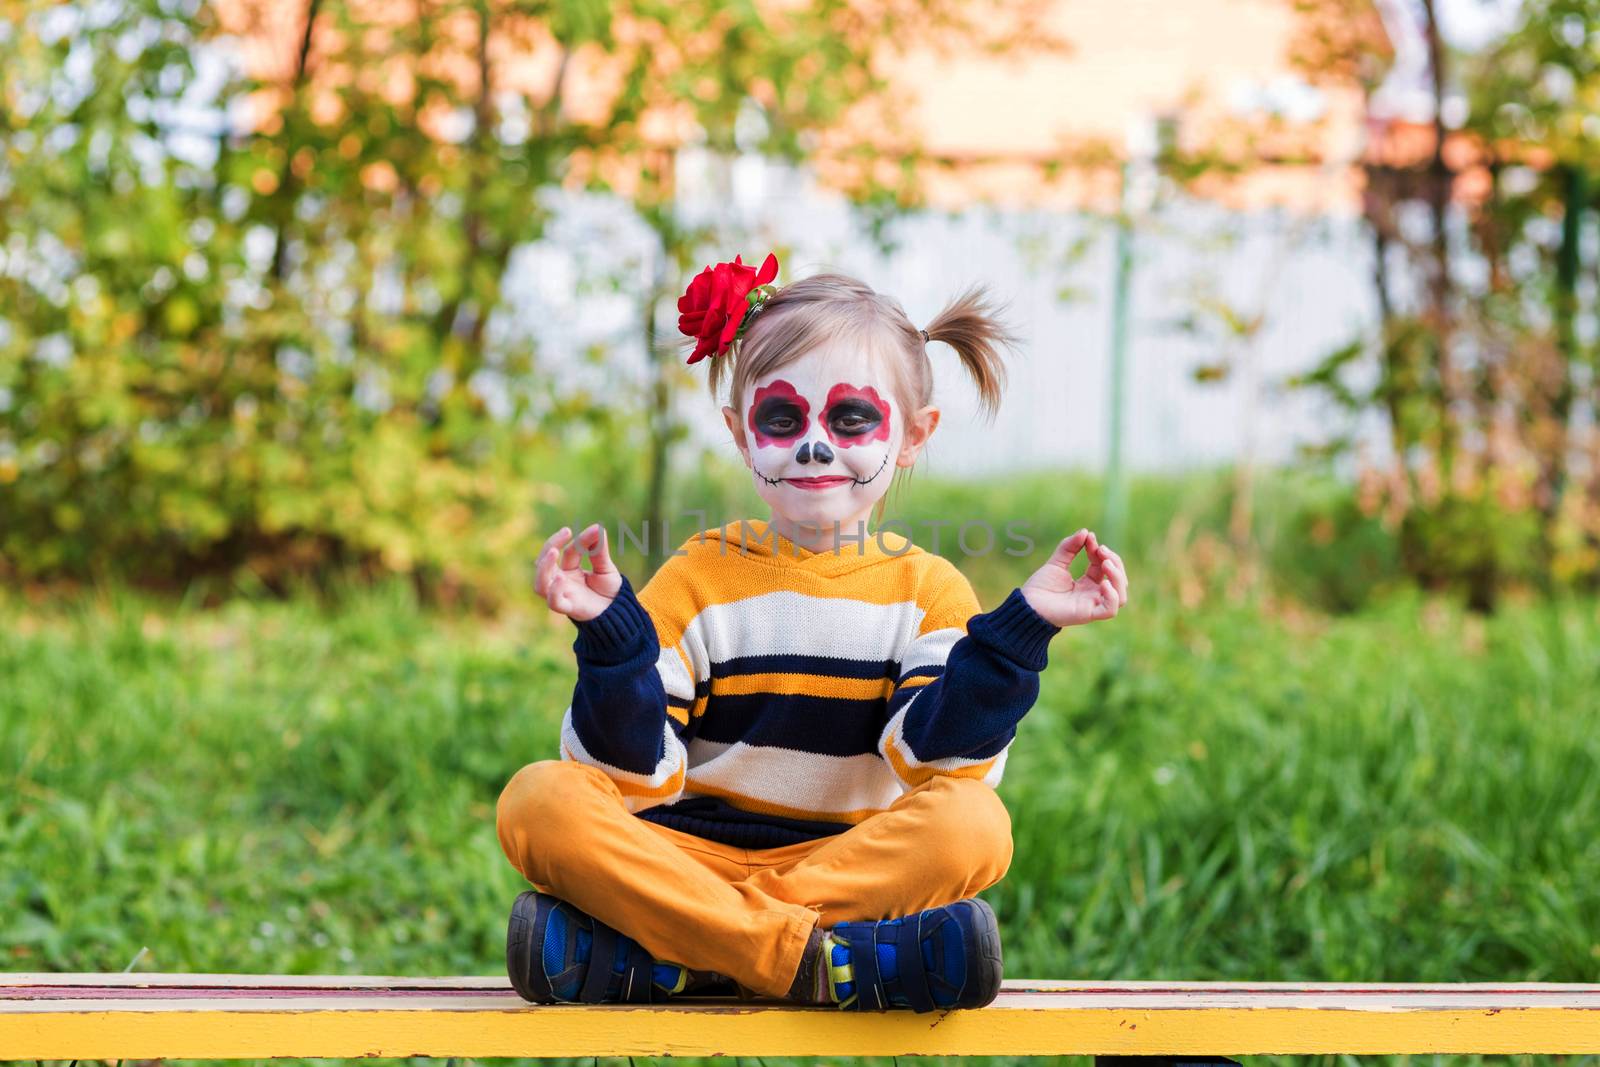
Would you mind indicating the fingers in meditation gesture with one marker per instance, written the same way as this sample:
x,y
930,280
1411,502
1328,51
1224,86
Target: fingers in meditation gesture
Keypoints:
x,y
1060,598
560,578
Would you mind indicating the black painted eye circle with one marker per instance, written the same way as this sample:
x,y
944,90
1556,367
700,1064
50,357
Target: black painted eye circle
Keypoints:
x,y
854,418
780,419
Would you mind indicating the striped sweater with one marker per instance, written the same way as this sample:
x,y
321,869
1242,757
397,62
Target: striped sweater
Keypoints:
x,y
758,694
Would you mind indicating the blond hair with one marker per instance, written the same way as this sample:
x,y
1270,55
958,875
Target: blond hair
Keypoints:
x,y
813,311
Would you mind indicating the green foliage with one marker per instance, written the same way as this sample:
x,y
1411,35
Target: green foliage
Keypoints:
x,y
1473,543
1484,359
241,357
253,324
1332,553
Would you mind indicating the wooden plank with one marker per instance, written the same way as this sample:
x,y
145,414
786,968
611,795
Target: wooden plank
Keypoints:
x,y
60,1016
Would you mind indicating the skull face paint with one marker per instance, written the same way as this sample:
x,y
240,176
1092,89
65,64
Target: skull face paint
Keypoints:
x,y
856,415
822,434
778,414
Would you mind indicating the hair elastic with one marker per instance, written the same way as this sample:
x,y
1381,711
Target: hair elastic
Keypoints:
x,y
924,336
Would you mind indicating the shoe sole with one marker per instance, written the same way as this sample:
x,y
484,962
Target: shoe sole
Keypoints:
x,y
525,951
989,968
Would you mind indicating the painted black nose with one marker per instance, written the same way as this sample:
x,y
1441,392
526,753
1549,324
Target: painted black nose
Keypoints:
x,y
818,451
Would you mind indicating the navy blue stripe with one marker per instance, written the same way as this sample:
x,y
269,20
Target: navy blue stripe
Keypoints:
x,y
826,666
830,726
700,690
715,819
799,663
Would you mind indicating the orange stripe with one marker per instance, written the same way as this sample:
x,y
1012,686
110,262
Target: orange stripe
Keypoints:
x,y
915,776
817,685
633,789
673,784
687,585
950,605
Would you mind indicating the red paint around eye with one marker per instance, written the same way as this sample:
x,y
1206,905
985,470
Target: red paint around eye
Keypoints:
x,y
778,389
842,392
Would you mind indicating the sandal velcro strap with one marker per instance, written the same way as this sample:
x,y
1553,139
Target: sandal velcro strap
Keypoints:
x,y
961,968
544,983
862,939
913,975
637,984
569,951
601,953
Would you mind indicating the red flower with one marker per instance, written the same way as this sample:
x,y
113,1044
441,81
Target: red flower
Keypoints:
x,y
714,308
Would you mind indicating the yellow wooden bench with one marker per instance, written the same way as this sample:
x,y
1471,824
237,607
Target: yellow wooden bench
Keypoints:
x,y
233,1016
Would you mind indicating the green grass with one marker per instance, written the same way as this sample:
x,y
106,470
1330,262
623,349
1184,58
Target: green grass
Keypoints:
x,y
1217,785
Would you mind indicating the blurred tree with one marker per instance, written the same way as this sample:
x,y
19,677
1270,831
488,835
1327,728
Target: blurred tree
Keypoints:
x,y
1535,111
1487,297
252,319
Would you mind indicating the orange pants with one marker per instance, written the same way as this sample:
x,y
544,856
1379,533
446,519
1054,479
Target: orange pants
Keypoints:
x,y
745,913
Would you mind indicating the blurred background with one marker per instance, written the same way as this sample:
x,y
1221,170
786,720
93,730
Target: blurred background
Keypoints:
x,y
317,317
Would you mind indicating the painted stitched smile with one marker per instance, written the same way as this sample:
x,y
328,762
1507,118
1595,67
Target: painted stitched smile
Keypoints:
x,y
825,481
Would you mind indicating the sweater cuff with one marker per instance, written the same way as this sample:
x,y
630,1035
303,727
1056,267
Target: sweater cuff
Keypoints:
x,y
610,636
1017,630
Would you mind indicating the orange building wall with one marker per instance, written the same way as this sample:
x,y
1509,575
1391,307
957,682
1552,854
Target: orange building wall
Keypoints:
x,y
999,118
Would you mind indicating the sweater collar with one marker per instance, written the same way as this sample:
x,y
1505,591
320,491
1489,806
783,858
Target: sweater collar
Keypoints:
x,y
759,541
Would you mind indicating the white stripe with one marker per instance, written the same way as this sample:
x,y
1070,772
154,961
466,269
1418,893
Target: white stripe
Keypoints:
x,y
673,757
932,648
786,621
674,675
992,779
804,780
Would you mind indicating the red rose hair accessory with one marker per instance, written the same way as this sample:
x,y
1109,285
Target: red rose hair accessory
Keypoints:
x,y
721,301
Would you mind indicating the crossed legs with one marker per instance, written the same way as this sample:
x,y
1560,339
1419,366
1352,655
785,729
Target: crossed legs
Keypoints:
x,y
745,913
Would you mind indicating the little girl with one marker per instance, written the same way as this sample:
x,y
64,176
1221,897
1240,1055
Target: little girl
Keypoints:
x,y
778,770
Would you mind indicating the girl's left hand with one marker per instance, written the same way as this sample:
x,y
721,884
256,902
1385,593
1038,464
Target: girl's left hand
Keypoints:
x,y
1060,598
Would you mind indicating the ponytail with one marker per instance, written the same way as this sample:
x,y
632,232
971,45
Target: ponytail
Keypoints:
x,y
970,324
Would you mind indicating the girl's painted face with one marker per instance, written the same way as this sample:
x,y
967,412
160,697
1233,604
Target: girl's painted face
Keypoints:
x,y
823,433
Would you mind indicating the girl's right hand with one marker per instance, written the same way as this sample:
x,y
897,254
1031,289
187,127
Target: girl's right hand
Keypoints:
x,y
560,578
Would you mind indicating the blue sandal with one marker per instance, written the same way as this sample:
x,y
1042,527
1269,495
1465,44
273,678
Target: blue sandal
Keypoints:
x,y
935,960
550,945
